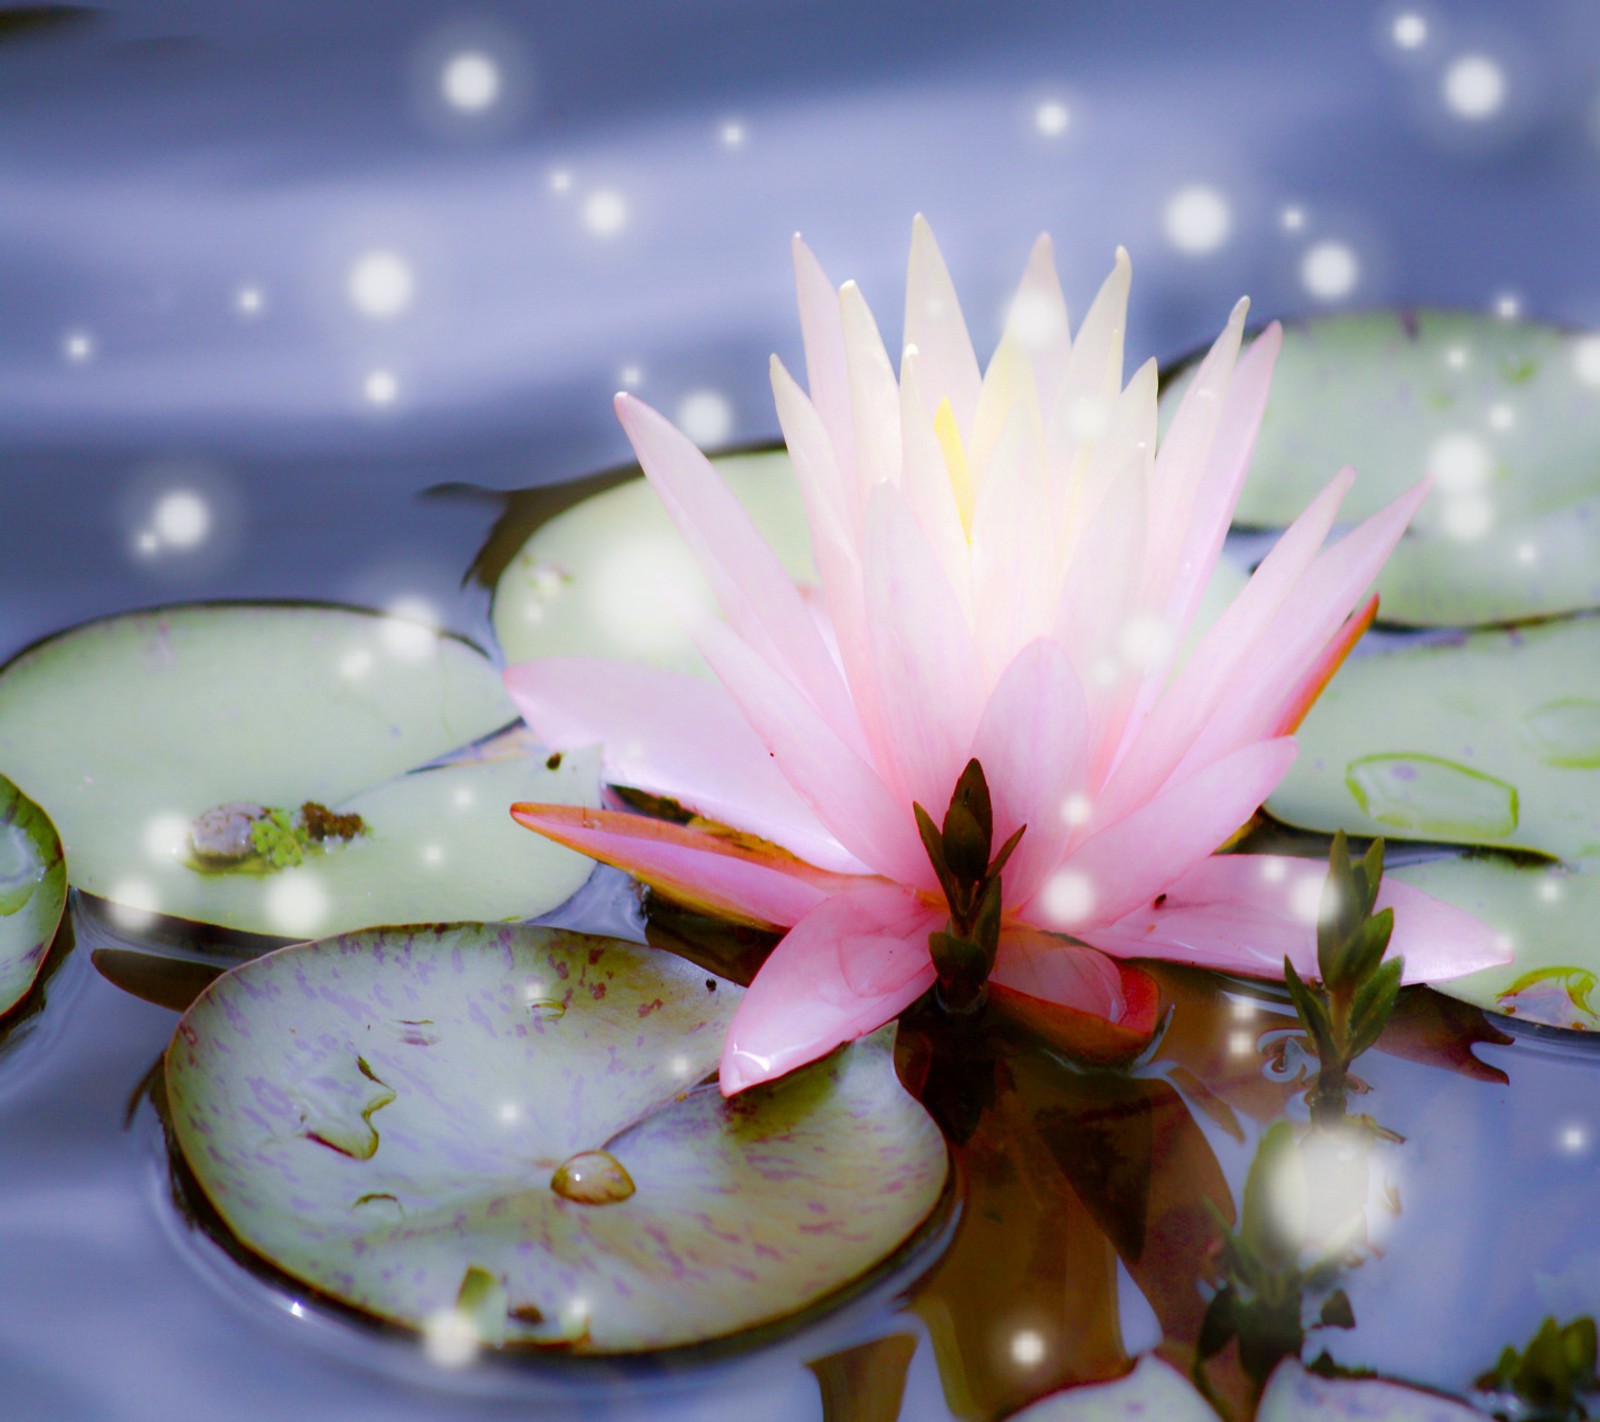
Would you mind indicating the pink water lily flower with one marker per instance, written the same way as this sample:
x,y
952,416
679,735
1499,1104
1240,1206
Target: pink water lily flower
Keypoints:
x,y
1009,569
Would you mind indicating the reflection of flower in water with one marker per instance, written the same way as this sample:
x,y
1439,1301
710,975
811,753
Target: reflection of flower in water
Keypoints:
x,y
1009,571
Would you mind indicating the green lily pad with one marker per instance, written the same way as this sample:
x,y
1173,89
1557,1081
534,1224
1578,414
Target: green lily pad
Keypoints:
x,y
1154,1389
1295,1395
586,583
1505,414
1493,739
496,1133
131,729
33,892
1548,914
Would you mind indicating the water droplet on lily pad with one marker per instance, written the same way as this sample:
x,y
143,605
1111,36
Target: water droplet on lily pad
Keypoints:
x,y
1430,797
593,1177
732,1197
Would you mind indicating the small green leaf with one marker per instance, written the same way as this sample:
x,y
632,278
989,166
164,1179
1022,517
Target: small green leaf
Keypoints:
x,y
1373,1002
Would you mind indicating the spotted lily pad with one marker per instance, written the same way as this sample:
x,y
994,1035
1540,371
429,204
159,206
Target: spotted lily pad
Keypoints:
x,y
1505,414
33,892
134,730
1548,914
1491,740
587,583
499,1129
1153,1390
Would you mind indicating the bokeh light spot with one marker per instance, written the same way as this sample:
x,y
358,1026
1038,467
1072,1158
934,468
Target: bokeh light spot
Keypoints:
x,y
1197,219
1586,359
380,387
182,519
605,212
1052,118
1474,87
706,417
1410,30
1330,271
470,81
1068,898
380,285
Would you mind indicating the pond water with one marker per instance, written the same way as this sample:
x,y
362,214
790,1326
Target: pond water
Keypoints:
x,y
192,194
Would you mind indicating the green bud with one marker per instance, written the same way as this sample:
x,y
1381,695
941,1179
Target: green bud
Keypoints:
x,y
966,844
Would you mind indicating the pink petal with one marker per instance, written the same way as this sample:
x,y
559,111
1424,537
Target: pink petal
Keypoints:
x,y
823,334
712,870
934,325
929,686
1033,745
1223,659
1244,913
843,790
1037,320
673,735
1015,578
1310,616
926,487
1094,367
1224,473
756,595
874,396
1142,855
1057,970
849,966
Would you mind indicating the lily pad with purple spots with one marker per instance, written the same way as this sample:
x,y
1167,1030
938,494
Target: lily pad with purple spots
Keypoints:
x,y
161,743
33,892
509,1131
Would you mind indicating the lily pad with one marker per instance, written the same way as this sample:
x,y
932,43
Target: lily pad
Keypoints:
x,y
1548,914
33,892
1493,739
1295,1395
499,1129
1505,414
1154,1389
588,582
131,729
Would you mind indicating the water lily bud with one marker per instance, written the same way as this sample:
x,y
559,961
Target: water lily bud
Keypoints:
x,y
966,844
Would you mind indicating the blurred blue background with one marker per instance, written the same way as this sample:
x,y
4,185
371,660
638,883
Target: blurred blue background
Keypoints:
x,y
268,270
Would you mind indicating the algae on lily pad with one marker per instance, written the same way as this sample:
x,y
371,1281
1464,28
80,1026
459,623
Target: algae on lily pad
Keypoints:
x,y
1504,413
33,892
1492,739
500,1129
138,732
